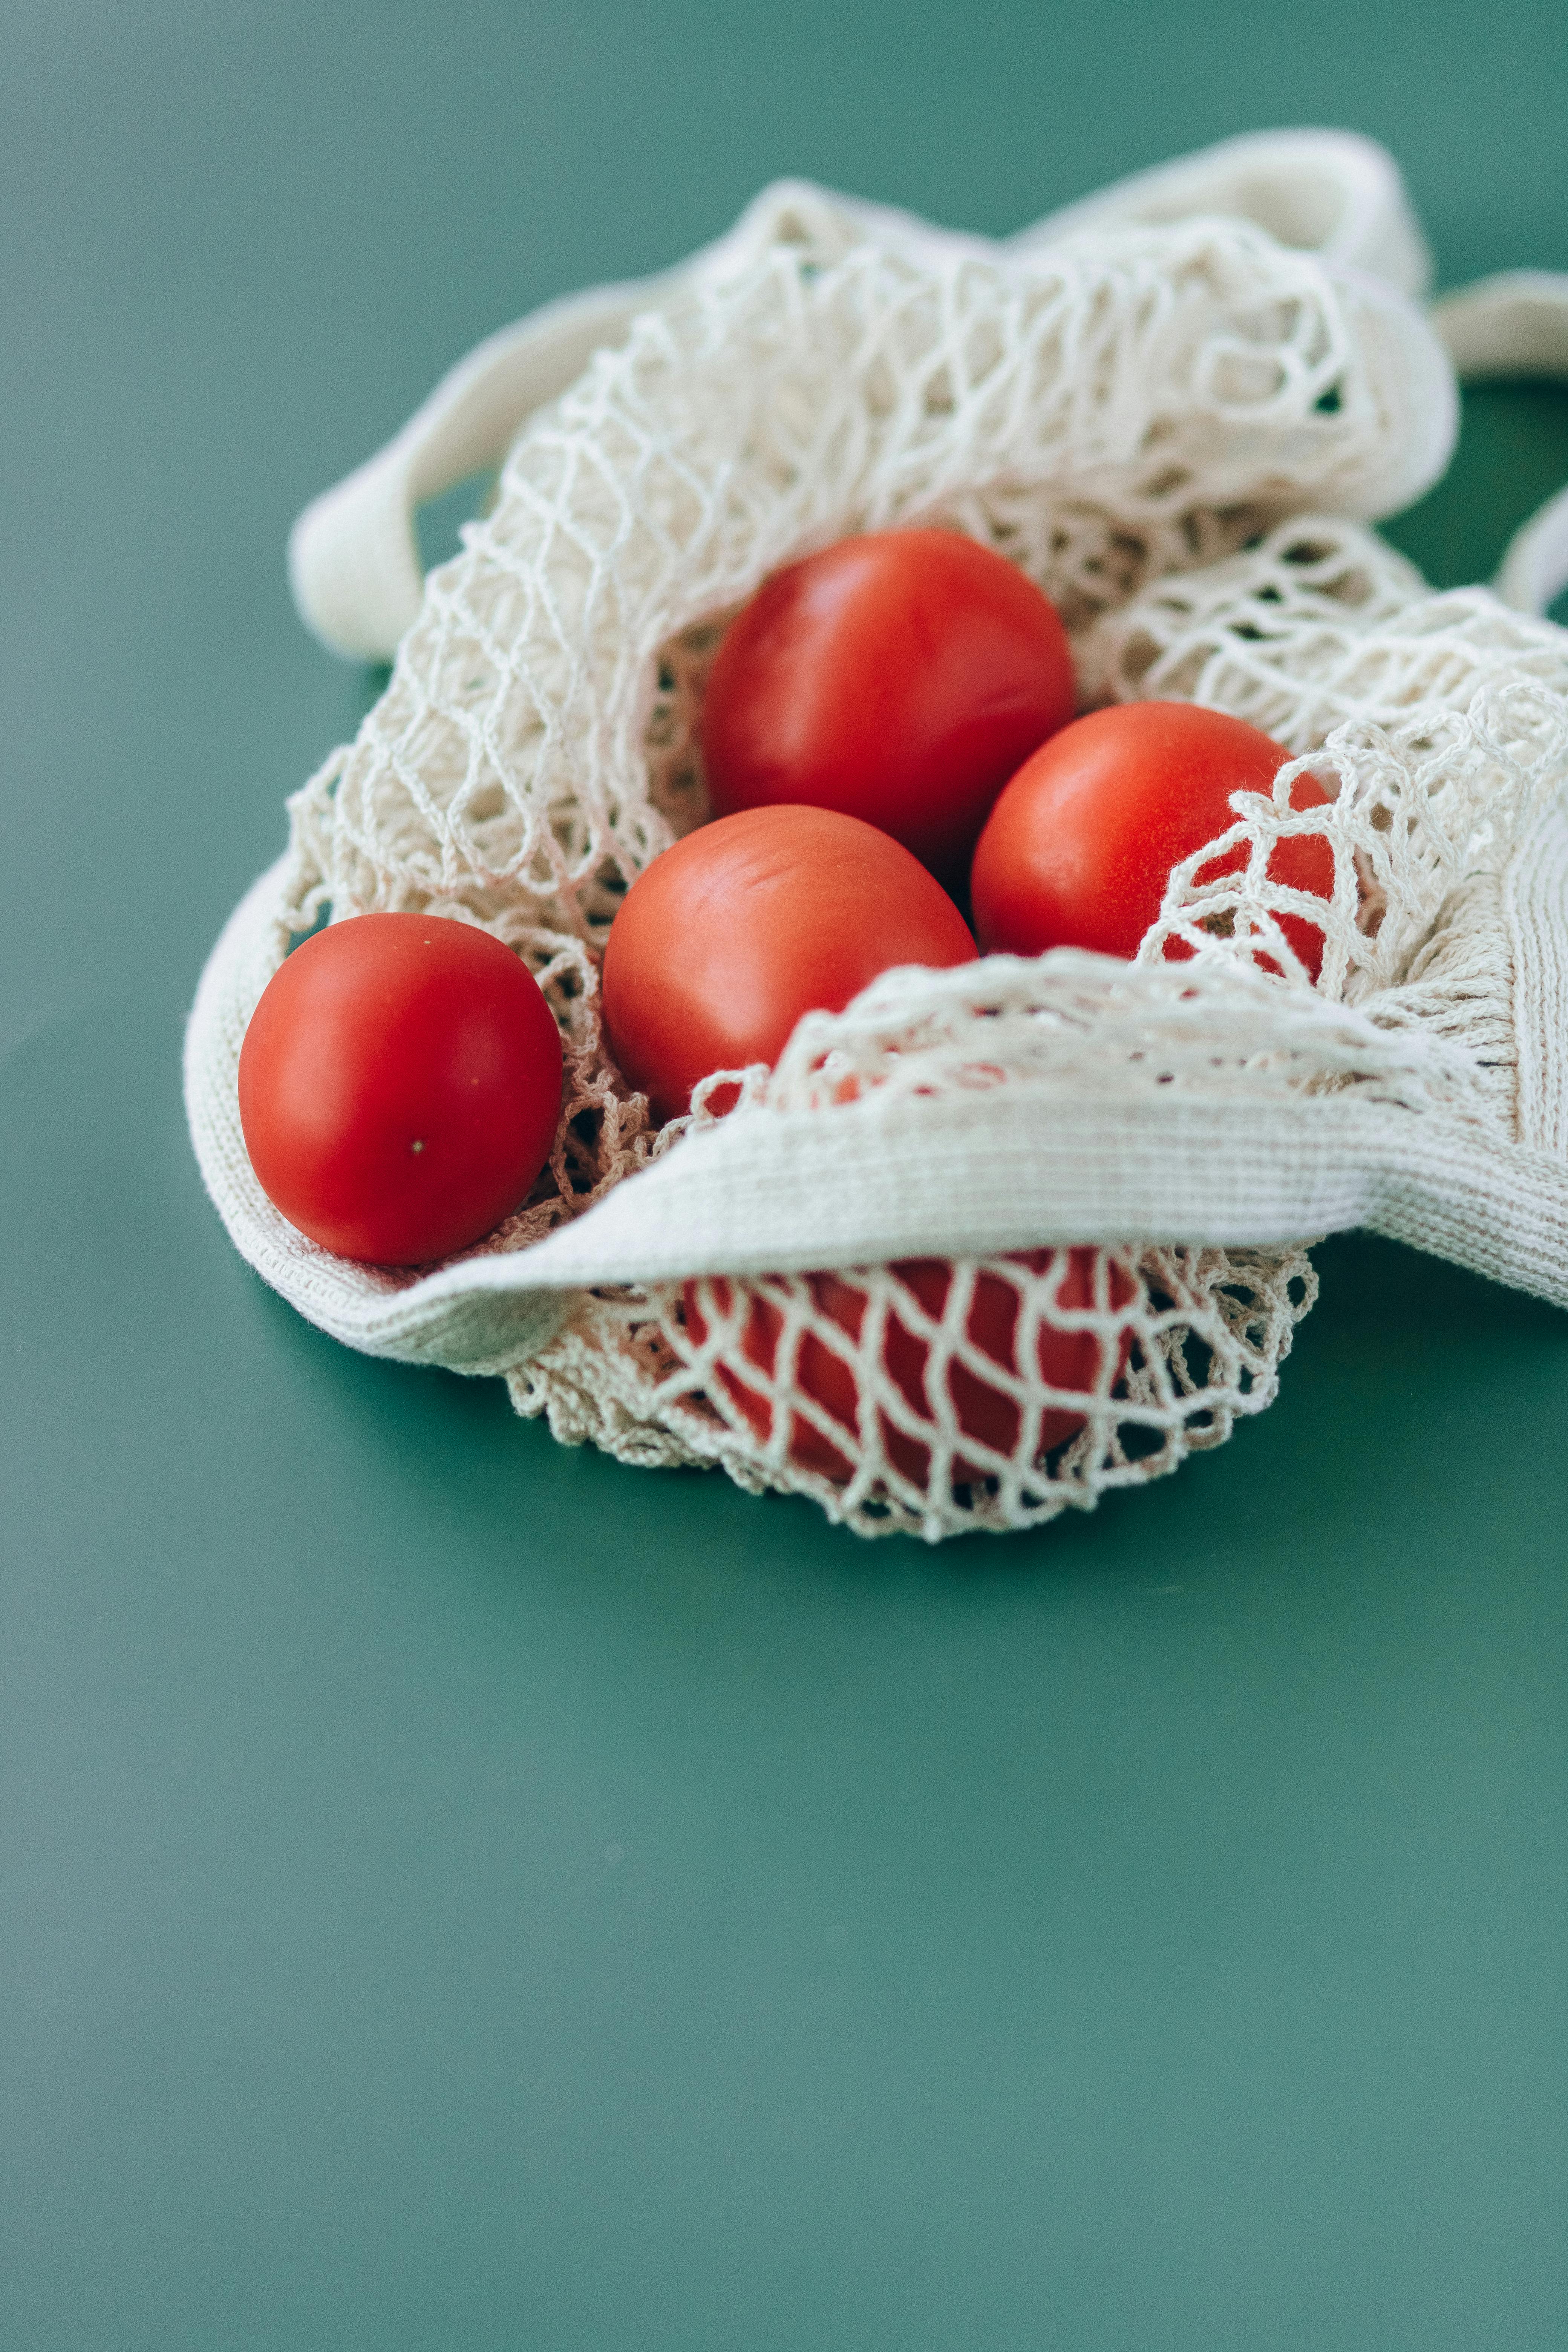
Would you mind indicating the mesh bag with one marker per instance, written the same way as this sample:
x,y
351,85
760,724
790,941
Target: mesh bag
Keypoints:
x,y
996,1239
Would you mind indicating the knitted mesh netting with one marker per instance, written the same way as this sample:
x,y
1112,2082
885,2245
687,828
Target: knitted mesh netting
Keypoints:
x,y
994,1240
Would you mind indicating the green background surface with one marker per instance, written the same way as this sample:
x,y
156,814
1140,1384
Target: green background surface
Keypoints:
x,y
458,1893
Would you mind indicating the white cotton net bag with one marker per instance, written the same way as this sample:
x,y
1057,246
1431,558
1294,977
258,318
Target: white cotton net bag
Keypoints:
x,y
992,1240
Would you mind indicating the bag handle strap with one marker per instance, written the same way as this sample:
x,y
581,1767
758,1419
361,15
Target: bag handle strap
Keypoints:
x,y
1517,324
1332,192
353,553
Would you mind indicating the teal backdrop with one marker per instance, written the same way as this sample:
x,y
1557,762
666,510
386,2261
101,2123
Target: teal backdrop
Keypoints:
x,y
460,1892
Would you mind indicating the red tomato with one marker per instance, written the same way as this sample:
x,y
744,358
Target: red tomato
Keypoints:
x,y
1080,846
399,1087
726,940
899,677
1066,1359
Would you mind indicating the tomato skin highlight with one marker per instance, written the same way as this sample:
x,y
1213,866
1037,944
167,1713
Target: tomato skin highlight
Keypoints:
x,y
899,678
399,1087
1064,1358
723,942
1080,847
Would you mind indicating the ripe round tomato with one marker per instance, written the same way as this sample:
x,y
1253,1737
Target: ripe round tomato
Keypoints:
x,y
1066,1359
899,678
1079,848
399,1087
726,940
